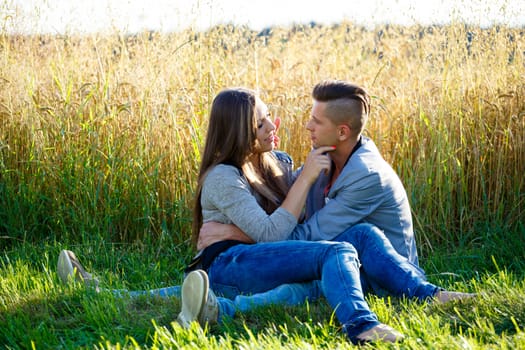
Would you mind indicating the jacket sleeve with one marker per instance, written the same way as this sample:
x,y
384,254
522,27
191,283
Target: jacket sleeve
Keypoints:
x,y
227,191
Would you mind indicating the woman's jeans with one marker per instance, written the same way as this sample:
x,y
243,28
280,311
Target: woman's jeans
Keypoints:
x,y
275,273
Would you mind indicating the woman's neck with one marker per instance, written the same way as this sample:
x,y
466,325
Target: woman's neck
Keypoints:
x,y
255,160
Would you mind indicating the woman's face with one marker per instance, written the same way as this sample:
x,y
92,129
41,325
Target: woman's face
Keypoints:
x,y
265,128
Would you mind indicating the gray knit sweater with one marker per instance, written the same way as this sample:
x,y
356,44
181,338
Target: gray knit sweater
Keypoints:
x,y
228,198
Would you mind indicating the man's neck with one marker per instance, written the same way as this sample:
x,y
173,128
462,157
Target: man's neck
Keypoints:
x,y
341,154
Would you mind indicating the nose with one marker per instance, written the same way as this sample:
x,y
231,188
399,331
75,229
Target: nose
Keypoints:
x,y
270,126
309,125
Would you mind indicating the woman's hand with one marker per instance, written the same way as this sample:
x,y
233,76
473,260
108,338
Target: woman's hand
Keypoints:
x,y
316,162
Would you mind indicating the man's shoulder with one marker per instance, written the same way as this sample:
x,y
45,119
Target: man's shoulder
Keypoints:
x,y
368,156
367,147
367,162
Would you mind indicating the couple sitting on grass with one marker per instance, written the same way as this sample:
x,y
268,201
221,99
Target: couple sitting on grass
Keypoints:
x,y
340,227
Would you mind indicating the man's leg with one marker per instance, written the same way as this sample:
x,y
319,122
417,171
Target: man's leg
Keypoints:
x,y
383,268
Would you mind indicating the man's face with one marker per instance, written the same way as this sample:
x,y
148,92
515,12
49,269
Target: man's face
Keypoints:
x,y
323,131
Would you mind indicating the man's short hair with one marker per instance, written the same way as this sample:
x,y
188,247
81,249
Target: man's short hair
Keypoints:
x,y
346,102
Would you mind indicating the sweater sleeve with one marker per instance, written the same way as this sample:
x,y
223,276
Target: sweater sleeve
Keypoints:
x,y
227,198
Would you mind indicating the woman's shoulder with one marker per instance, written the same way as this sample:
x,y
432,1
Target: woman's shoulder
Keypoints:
x,y
223,180
222,173
221,170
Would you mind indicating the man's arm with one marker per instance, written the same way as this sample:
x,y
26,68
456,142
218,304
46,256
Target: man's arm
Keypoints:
x,y
212,232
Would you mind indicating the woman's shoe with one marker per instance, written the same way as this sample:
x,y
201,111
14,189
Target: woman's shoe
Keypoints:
x,y
210,310
199,303
69,268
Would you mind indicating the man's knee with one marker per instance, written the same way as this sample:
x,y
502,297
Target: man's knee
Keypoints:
x,y
349,235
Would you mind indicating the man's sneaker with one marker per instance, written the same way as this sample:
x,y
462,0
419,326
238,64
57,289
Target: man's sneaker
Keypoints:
x,y
199,303
69,268
381,332
444,296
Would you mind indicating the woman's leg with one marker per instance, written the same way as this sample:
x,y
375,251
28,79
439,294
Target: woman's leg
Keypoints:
x,y
172,291
69,268
290,294
249,269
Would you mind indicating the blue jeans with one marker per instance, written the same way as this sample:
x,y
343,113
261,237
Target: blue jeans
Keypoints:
x,y
172,291
382,270
378,259
286,294
251,269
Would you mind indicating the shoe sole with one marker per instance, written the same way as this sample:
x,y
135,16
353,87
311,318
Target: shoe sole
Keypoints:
x,y
209,311
65,268
194,294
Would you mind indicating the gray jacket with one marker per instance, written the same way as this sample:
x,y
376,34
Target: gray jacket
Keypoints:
x,y
367,190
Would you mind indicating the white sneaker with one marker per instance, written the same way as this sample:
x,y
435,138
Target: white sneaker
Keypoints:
x,y
199,303
69,268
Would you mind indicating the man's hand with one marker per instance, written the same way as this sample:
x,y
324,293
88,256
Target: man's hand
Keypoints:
x,y
212,232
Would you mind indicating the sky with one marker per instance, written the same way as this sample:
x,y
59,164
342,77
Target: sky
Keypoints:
x,y
131,16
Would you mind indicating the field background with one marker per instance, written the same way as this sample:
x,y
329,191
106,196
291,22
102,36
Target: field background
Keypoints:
x,y
100,139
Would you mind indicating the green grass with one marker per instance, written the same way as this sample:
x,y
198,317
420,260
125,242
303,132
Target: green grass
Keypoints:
x,y
36,310
100,139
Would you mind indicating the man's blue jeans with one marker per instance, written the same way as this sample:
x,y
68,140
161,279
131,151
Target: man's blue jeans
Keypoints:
x,y
274,273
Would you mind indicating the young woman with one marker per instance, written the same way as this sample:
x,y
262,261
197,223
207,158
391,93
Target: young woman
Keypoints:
x,y
240,182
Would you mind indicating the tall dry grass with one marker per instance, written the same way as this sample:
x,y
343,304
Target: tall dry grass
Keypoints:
x,y
100,135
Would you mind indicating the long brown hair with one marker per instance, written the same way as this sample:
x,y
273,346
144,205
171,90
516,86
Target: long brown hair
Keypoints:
x,y
231,139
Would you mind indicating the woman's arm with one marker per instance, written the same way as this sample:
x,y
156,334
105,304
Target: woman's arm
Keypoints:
x,y
227,198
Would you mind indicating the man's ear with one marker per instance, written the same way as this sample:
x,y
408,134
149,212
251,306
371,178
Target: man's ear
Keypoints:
x,y
344,132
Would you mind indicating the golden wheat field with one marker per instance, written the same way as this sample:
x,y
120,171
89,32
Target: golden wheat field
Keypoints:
x,y
102,133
